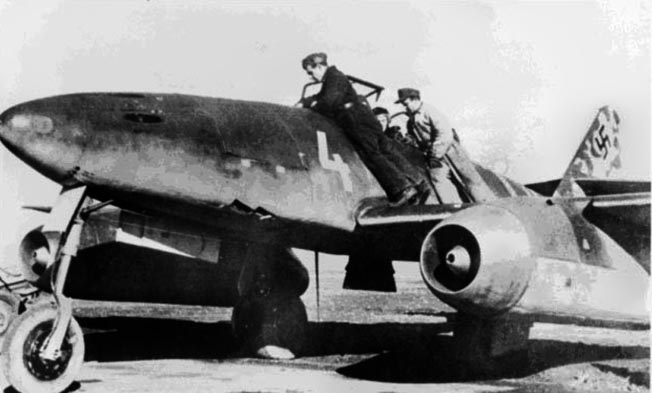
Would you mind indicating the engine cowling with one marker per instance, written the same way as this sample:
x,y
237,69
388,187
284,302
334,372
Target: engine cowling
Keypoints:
x,y
478,260
37,253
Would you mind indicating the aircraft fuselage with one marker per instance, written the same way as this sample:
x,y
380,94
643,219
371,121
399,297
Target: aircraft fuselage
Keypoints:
x,y
200,151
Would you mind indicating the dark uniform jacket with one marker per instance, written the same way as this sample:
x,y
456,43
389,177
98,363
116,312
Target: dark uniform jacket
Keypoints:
x,y
336,91
338,101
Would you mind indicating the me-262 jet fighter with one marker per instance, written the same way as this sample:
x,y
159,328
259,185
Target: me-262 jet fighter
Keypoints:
x,y
195,200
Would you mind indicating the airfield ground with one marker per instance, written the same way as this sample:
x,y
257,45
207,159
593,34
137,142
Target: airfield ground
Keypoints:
x,y
360,342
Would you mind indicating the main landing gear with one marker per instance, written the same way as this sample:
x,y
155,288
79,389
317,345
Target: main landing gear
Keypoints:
x,y
43,349
270,319
492,346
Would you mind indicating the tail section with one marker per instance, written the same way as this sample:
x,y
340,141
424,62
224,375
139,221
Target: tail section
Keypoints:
x,y
597,156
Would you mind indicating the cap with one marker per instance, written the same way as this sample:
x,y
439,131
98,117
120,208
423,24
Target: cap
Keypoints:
x,y
314,59
379,110
407,92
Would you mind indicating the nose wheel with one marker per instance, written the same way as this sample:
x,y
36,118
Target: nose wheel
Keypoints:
x,y
9,305
24,362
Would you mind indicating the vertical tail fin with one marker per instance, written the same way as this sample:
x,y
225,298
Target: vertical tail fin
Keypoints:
x,y
597,156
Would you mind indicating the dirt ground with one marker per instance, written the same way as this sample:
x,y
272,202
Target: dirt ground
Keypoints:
x,y
359,342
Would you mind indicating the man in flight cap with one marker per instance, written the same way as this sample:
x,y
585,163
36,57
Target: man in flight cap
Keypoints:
x,y
338,100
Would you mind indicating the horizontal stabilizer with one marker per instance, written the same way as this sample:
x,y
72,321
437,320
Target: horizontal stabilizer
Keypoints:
x,y
592,187
626,219
629,200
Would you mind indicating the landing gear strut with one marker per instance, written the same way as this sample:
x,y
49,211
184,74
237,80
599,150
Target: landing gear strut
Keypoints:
x,y
272,327
491,345
270,319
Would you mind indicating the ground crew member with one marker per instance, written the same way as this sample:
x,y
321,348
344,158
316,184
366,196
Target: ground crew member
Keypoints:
x,y
440,145
338,100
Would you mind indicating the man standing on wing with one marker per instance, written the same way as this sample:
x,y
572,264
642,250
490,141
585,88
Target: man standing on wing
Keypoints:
x,y
338,100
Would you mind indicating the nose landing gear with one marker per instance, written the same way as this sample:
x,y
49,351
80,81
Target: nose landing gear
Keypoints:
x,y
43,349
23,357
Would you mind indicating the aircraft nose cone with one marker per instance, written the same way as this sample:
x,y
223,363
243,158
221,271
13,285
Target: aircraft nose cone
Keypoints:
x,y
15,124
8,134
38,137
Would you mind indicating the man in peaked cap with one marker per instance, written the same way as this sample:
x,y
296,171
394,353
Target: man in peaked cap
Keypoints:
x,y
339,101
438,141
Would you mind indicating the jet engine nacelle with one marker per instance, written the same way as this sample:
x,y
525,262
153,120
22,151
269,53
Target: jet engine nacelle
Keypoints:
x,y
533,256
37,253
126,256
479,260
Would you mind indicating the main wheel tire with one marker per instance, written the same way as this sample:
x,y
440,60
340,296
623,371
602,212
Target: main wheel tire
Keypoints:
x,y
22,365
275,320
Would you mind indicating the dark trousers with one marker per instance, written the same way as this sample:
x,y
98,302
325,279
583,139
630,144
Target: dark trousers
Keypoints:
x,y
385,161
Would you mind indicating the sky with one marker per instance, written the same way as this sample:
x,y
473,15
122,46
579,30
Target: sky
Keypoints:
x,y
520,81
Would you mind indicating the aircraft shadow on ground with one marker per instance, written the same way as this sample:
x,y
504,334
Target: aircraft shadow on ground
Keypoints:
x,y
402,353
440,362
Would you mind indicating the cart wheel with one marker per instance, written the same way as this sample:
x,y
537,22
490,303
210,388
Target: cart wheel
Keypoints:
x,y
21,362
8,310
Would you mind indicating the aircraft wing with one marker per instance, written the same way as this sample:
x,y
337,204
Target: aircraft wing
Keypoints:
x,y
421,214
399,232
633,208
624,217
